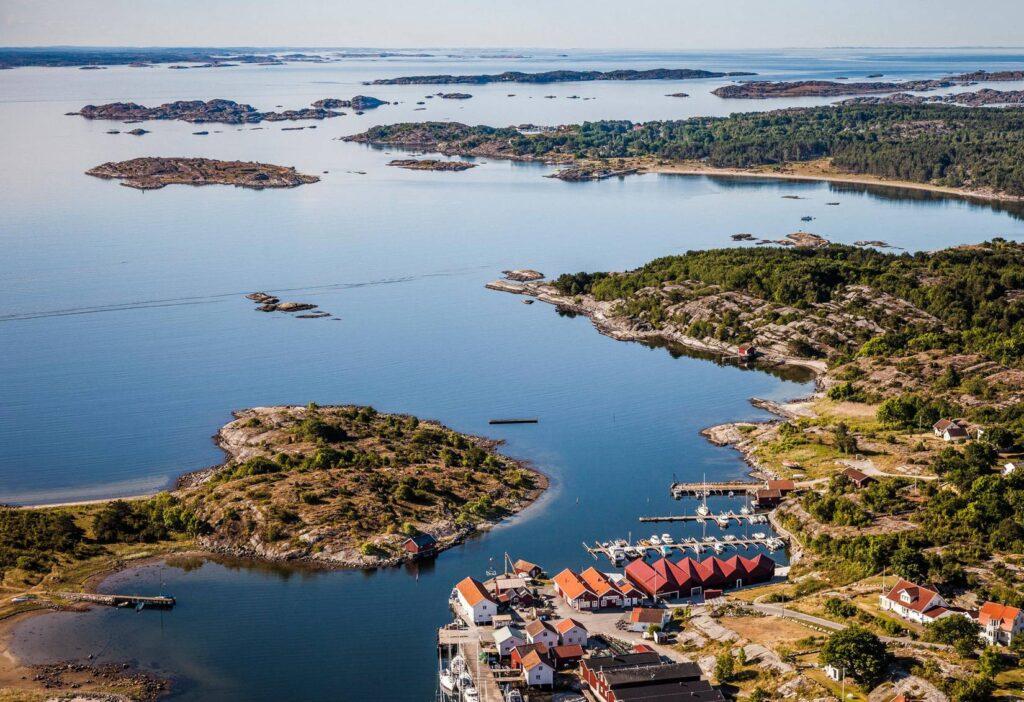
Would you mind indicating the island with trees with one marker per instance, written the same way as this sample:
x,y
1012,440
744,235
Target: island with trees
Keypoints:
x,y
977,152
560,76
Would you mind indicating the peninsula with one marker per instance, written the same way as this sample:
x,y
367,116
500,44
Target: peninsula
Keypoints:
x,y
150,173
969,152
220,110
558,77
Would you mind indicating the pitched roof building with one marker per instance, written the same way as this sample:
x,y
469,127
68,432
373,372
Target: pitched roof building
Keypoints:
x,y
474,602
689,578
915,603
1000,624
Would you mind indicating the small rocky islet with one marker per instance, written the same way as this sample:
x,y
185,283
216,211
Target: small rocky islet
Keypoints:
x,y
558,77
760,90
151,173
430,164
265,302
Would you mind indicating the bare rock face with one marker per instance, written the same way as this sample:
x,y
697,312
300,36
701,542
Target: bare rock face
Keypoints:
x,y
150,173
523,275
455,96
359,102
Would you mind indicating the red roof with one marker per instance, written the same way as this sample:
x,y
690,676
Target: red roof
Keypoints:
x,y
646,615
570,651
992,612
473,591
711,572
920,597
532,659
783,486
522,566
572,585
564,625
663,576
537,626
598,582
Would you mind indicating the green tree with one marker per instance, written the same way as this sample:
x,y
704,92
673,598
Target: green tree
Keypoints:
x,y
959,632
725,667
975,689
859,651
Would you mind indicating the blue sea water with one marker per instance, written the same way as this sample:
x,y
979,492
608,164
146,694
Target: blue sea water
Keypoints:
x,y
125,340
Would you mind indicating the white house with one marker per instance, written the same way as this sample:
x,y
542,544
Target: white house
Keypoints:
x,y
1010,467
474,602
572,632
508,638
951,430
915,603
1000,624
640,618
537,671
542,633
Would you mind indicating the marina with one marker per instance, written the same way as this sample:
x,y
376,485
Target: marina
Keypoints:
x,y
620,551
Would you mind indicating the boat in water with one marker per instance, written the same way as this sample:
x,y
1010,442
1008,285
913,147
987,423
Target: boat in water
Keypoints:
x,y
513,695
655,540
448,681
667,539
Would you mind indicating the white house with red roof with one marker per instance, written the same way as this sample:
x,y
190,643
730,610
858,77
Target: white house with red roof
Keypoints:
x,y
572,632
999,623
474,602
542,633
536,670
915,603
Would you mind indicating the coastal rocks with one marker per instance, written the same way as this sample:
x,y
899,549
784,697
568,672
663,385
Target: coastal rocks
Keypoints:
x,y
807,240
454,96
978,76
743,237
977,98
138,131
150,173
591,172
557,77
69,675
760,90
265,302
198,111
431,164
523,275
678,95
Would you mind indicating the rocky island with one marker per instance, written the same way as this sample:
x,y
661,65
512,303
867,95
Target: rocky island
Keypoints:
x,y
431,164
558,77
150,173
220,110
760,90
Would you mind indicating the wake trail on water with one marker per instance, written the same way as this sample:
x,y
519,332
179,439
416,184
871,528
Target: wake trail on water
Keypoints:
x,y
214,298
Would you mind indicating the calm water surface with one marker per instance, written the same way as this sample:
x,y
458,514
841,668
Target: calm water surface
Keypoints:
x,y
125,341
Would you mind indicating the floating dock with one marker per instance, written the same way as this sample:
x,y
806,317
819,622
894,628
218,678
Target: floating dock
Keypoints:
x,y
707,546
755,518
524,420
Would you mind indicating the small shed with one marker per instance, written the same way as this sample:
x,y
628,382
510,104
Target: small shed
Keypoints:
x,y
858,478
421,546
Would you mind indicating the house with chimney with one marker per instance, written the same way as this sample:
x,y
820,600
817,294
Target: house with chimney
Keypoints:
x,y
916,603
1000,624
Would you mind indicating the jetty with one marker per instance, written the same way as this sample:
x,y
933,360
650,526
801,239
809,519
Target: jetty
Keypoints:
x,y
137,601
753,518
467,642
514,420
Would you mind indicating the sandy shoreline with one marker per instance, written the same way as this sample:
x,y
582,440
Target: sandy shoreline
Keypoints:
x,y
817,171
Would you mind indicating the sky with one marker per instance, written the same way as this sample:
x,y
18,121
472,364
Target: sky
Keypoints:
x,y
565,24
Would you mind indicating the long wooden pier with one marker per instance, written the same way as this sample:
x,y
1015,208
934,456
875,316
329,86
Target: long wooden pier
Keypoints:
x,y
755,518
156,602
747,487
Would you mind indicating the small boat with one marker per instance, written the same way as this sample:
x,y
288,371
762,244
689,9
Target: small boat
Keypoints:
x,y
513,695
465,681
667,539
719,547
469,694
697,548
744,509
732,493
759,535
655,540
722,521
448,681
702,510
728,537
700,520
666,550
618,555
458,665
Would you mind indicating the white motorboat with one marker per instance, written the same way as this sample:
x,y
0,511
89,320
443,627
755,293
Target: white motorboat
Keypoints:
x,y
655,540
666,550
744,509
759,535
513,695
457,665
719,547
667,539
702,509
729,537
469,694
722,521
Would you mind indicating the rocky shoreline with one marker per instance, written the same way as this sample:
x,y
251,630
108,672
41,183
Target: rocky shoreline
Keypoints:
x,y
431,164
151,173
